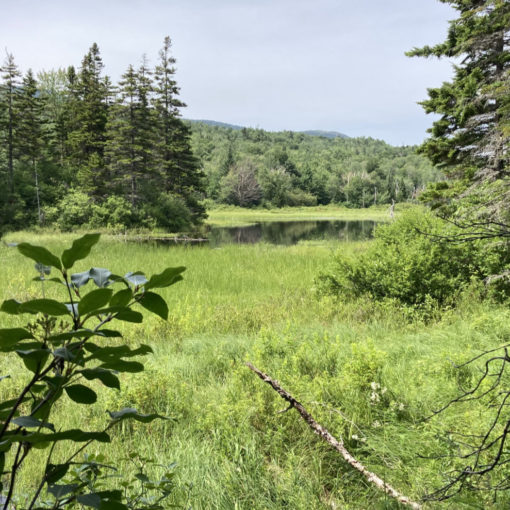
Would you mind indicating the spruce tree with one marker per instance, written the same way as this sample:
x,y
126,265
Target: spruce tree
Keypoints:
x,y
178,167
30,133
470,140
9,118
87,123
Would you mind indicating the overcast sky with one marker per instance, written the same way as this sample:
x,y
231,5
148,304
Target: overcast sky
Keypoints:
x,y
275,64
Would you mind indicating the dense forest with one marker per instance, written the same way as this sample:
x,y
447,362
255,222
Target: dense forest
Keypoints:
x,y
78,150
247,167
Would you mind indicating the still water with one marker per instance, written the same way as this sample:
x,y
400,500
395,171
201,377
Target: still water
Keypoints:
x,y
292,232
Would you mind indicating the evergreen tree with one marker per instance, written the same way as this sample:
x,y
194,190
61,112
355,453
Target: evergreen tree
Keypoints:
x,y
179,168
87,123
129,147
30,130
9,118
470,141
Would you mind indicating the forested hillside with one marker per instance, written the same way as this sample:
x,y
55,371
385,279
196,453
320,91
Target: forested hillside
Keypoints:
x,y
248,166
80,151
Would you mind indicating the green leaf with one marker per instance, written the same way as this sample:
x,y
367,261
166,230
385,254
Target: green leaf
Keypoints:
x,y
54,472
30,422
76,435
112,505
64,353
41,268
79,250
68,335
107,377
121,298
92,500
128,413
81,394
59,491
94,300
116,352
39,254
48,306
11,306
10,337
100,276
80,279
168,277
137,279
33,359
123,366
129,316
155,304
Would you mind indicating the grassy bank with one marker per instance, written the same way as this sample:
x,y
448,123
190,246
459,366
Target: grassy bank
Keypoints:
x,y
256,302
232,215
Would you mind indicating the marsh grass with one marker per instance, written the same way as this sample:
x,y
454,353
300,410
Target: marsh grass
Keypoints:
x,y
256,302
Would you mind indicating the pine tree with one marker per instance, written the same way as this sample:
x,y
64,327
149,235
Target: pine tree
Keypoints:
x,y
470,141
179,169
9,118
29,132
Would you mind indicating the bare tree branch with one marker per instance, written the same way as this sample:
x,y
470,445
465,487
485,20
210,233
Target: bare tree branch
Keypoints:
x,y
338,445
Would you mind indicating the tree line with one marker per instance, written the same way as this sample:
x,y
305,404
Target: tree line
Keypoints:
x,y
78,149
249,167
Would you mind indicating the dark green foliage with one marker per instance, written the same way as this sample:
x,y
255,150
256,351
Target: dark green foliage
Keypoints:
x,y
79,152
61,359
470,140
297,169
413,262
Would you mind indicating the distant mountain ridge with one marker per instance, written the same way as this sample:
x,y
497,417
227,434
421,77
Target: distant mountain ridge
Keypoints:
x,y
310,132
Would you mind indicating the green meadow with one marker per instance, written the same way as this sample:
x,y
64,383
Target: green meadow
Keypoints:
x,y
371,374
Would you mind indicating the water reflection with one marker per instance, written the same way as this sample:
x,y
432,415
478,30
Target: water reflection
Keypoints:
x,y
291,232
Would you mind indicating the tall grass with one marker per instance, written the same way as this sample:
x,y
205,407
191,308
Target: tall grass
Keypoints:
x,y
256,302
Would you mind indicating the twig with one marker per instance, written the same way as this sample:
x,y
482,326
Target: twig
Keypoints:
x,y
338,445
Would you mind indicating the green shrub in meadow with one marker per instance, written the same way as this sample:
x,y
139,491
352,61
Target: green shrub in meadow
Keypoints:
x,y
416,261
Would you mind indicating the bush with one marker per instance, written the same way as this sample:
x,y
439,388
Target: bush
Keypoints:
x,y
413,261
170,212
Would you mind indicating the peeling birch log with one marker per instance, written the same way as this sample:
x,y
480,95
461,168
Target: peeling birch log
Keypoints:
x,y
338,445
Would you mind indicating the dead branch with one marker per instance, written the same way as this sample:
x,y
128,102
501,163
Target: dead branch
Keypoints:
x,y
338,445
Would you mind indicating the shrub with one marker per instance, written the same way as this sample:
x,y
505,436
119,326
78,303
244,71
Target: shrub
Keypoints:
x,y
414,261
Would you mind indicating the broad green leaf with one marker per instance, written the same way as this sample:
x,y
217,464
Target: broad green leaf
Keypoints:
x,y
137,279
80,279
30,422
121,298
128,413
168,277
155,304
59,491
92,500
107,377
48,306
41,268
129,316
109,333
76,435
94,300
39,254
68,335
54,472
100,276
115,352
81,394
34,359
11,306
79,250
64,353
123,366
10,337
110,504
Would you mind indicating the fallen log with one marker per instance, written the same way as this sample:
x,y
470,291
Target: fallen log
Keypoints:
x,y
335,443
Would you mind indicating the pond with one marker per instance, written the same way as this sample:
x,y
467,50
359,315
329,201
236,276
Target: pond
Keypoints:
x,y
292,232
